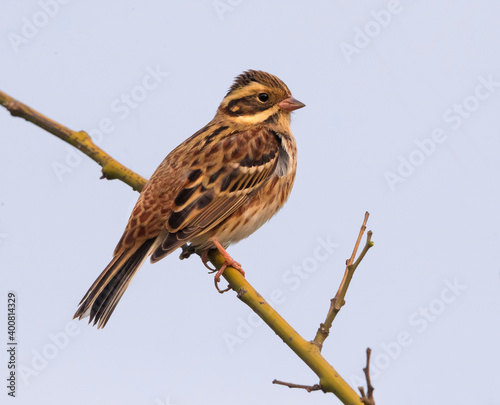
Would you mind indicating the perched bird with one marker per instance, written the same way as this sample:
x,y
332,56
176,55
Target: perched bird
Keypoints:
x,y
216,188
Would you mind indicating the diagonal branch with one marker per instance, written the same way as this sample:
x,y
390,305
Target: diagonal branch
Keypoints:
x,y
338,301
111,169
309,352
335,305
329,379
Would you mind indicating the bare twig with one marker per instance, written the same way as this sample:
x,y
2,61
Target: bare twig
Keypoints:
x,y
339,300
367,398
308,388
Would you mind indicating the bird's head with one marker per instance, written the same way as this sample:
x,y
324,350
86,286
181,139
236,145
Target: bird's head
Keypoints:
x,y
257,97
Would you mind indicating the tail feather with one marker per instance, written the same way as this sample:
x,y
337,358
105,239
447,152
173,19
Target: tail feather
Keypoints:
x,y
102,297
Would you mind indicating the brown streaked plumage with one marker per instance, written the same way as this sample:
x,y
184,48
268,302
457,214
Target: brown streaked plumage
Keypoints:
x,y
216,188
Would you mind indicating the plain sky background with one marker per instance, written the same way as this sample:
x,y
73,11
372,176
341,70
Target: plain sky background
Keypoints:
x,y
402,120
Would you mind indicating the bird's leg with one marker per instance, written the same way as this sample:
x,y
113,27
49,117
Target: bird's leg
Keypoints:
x,y
229,261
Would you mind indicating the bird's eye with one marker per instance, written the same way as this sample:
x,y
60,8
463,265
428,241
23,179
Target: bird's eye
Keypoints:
x,y
263,97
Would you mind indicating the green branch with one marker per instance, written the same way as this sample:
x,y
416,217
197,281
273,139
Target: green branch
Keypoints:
x,y
329,379
111,169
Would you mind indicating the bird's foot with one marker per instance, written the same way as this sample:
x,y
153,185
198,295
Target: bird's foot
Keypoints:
x,y
228,261
204,259
219,290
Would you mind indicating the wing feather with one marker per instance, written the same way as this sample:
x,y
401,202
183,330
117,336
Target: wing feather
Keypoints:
x,y
244,162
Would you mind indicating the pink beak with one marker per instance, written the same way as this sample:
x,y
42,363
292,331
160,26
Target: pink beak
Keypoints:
x,y
290,104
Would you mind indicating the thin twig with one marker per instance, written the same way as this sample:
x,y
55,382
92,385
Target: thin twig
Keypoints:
x,y
339,300
367,398
308,388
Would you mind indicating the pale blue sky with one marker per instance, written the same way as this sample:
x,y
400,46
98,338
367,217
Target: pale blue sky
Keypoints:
x,y
401,120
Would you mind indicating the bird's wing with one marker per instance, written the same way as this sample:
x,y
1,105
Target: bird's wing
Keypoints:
x,y
224,176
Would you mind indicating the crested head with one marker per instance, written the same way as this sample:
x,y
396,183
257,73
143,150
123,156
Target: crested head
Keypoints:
x,y
256,97
257,76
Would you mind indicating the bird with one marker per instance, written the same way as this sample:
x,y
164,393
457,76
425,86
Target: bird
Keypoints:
x,y
214,189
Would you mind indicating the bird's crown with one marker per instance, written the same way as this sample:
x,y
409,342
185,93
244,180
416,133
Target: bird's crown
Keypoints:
x,y
258,76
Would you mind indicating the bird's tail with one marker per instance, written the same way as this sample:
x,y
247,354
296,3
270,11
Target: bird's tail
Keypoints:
x,y
102,297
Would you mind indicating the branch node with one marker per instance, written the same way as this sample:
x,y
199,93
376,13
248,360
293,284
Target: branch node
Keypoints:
x,y
336,304
14,108
241,293
105,174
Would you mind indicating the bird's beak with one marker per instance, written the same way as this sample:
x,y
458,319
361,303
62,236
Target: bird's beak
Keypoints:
x,y
290,104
